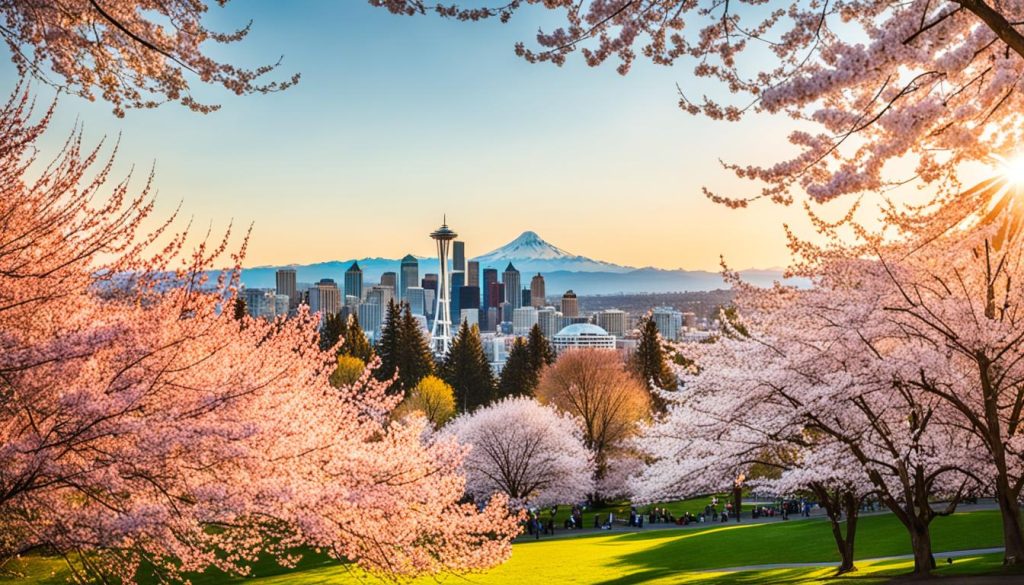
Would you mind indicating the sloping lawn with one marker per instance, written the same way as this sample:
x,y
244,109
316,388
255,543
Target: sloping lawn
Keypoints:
x,y
666,556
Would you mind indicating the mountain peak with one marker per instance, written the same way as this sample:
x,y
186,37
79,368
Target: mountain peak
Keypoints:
x,y
527,237
531,253
528,245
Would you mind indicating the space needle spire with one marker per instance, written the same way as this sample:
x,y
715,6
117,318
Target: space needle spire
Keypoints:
x,y
441,334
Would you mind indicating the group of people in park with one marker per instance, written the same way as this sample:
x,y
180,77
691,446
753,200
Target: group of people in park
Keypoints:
x,y
543,521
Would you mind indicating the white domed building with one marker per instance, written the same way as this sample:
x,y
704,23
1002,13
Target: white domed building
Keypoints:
x,y
582,336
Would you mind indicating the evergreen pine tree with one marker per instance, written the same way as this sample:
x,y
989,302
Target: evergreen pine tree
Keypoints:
x,y
332,331
649,360
467,370
240,309
518,377
389,344
540,351
356,344
415,360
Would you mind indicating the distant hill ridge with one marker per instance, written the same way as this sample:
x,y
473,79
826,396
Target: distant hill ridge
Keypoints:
x,y
531,254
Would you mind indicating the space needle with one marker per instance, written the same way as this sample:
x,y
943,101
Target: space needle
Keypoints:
x,y
441,333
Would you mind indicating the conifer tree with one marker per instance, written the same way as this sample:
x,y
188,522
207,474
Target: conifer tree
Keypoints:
x,y
649,361
332,331
356,344
389,343
518,377
540,350
415,360
240,309
467,370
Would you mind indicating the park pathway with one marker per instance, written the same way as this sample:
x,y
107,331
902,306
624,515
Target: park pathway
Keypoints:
x,y
939,558
817,514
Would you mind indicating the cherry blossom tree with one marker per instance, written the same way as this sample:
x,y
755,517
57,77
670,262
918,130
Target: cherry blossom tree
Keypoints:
x,y
867,82
131,53
141,423
527,451
822,387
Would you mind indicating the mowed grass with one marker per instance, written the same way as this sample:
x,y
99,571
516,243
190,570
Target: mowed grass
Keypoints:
x,y
666,556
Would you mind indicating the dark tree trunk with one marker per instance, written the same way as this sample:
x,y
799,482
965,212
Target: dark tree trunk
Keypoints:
x,y
836,504
1013,541
846,548
921,541
737,501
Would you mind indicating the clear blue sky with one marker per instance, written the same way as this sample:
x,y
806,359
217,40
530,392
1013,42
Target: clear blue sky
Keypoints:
x,y
398,120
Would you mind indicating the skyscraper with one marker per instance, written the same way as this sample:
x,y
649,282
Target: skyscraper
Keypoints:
x,y
472,280
381,295
370,315
550,321
570,306
496,295
325,297
495,298
537,292
282,305
441,335
354,281
410,274
389,279
256,302
669,322
470,317
614,321
459,256
469,298
490,277
429,281
513,286
286,286
523,319
428,302
417,298
429,284
457,276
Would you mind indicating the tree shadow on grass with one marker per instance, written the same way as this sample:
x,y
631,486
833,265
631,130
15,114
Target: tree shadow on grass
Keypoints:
x,y
680,551
976,570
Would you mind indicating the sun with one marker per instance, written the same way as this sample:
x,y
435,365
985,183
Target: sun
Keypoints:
x,y
1011,168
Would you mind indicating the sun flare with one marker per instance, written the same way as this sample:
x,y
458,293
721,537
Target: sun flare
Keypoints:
x,y
1012,168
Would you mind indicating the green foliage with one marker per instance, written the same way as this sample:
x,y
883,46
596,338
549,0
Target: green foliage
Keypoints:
x,y
467,370
333,330
389,344
518,377
415,360
348,371
540,350
649,360
433,398
356,344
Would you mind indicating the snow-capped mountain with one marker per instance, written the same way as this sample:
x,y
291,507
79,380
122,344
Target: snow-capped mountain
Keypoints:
x,y
531,253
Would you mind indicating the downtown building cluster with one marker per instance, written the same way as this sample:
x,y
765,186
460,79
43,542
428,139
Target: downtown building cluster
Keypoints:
x,y
500,304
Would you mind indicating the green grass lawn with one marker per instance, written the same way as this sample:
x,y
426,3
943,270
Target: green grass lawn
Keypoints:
x,y
670,556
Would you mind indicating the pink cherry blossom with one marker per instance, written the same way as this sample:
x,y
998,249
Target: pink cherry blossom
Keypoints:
x,y
142,423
